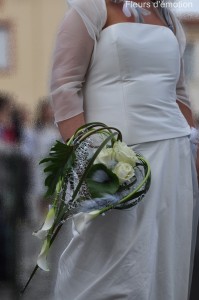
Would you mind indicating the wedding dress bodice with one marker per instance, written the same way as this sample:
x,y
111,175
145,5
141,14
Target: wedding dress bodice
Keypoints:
x,y
131,83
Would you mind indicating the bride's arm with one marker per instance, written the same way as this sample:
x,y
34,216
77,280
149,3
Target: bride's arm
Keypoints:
x,y
187,113
68,127
183,97
71,58
185,106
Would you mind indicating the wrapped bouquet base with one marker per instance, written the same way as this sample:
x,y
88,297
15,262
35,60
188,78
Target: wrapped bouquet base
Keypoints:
x,y
92,173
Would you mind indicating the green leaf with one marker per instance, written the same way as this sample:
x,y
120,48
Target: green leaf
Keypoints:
x,y
59,162
100,180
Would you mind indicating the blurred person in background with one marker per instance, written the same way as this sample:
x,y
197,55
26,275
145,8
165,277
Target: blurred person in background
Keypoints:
x,y
6,129
15,178
16,143
45,135
14,135
27,141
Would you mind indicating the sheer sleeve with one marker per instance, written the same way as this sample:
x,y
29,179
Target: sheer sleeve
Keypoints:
x,y
93,13
181,87
74,46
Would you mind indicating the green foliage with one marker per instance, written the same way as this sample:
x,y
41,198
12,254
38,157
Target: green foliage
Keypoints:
x,y
59,162
100,180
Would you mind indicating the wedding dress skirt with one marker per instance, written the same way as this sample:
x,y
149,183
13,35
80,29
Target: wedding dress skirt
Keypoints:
x,y
143,252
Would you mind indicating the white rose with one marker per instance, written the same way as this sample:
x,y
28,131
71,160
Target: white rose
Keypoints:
x,y
124,171
123,153
106,157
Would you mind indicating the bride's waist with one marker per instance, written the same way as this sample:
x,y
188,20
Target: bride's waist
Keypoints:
x,y
140,125
151,82
130,93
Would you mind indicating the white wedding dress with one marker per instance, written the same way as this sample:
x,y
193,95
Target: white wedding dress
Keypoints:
x,y
130,81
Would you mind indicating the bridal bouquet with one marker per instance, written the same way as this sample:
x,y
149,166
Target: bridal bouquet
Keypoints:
x,y
90,174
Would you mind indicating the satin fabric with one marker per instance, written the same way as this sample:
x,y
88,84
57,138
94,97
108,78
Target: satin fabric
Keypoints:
x,y
132,83
143,252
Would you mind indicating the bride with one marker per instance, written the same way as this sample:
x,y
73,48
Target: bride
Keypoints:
x,y
121,63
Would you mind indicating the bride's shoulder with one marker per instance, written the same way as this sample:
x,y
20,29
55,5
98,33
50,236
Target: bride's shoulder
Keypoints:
x,y
92,12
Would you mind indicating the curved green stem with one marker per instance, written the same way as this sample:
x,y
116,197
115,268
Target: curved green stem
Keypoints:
x,y
78,137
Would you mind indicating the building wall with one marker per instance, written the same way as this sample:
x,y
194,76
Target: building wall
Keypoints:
x,y
34,24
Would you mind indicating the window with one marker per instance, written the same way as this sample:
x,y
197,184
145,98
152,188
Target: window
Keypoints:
x,y
6,46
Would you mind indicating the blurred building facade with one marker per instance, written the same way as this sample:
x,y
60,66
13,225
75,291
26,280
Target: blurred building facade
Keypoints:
x,y
27,33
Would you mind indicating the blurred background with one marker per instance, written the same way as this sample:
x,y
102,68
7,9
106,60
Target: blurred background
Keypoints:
x,y
27,36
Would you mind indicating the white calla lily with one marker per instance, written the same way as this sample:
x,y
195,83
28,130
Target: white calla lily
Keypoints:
x,y
42,258
81,219
42,233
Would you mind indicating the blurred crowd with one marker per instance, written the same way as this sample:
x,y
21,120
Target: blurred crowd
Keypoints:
x,y
25,139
